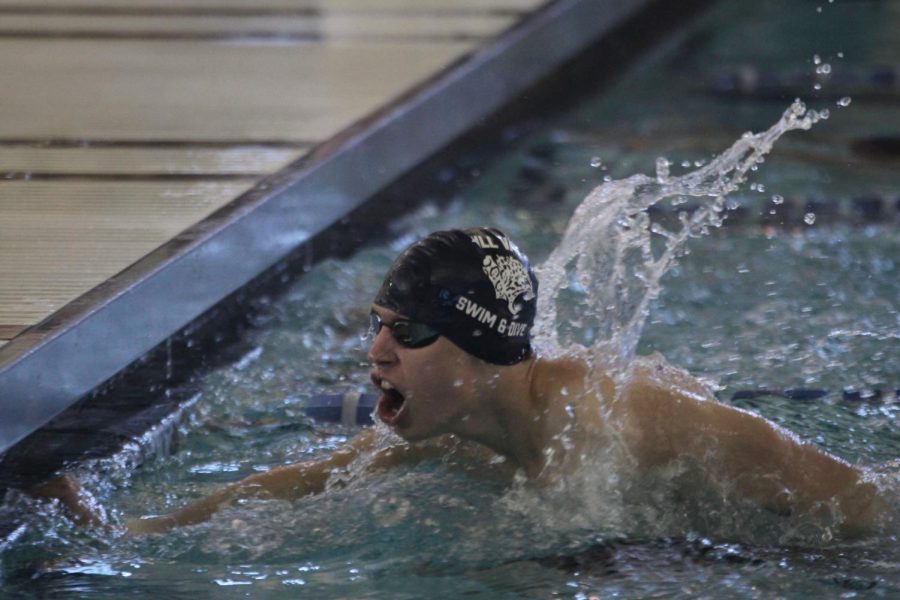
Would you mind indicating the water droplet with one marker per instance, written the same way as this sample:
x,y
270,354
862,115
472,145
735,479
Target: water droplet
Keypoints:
x,y
824,113
823,69
845,101
809,218
596,162
607,178
566,270
760,188
817,87
840,55
457,382
817,60
662,169
777,199
686,164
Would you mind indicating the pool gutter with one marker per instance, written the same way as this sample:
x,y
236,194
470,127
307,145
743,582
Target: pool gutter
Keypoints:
x,y
60,360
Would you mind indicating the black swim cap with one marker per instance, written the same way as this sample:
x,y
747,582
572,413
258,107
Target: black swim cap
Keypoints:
x,y
474,286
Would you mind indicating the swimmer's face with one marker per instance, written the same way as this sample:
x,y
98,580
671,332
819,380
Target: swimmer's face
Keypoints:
x,y
424,389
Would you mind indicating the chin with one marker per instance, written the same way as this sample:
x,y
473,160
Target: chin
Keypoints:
x,y
411,434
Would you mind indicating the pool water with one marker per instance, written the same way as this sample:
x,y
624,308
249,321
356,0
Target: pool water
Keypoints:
x,y
754,305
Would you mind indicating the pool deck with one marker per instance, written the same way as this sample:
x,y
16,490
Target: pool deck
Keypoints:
x,y
129,121
159,154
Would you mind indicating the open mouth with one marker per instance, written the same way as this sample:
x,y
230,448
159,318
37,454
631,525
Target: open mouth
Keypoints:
x,y
391,402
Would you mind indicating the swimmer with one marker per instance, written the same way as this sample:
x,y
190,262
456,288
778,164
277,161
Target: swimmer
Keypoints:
x,y
452,358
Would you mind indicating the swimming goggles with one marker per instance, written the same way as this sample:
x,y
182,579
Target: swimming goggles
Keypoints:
x,y
409,334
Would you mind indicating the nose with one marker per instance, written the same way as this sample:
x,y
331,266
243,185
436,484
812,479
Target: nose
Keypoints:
x,y
383,350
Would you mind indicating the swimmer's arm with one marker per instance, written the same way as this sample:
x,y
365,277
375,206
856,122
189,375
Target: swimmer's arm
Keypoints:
x,y
81,505
768,464
288,482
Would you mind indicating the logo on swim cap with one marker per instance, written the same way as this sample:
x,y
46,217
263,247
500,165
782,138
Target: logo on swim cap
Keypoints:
x,y
510,280
473,286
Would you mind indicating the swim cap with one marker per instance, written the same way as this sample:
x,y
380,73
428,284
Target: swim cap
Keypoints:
x,y
474,286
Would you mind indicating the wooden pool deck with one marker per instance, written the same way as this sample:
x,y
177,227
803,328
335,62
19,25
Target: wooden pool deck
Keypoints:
x,y
158,155
124,122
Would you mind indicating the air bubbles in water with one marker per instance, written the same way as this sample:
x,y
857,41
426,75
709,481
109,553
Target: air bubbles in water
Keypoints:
x,y
596,162
659,230
390,511
809,218
777,199
845,101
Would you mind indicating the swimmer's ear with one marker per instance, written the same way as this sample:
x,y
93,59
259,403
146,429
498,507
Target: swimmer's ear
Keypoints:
x,y
80,504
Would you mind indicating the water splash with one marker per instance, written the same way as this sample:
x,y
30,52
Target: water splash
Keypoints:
x,y
612,257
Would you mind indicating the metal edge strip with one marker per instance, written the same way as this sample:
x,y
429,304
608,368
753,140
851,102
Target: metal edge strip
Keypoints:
x,y
63,367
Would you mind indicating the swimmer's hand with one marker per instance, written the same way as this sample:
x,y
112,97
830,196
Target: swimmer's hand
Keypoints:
x,y
78,502
864,510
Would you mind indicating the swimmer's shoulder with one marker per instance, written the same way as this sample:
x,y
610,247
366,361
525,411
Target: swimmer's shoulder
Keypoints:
x,y
654,372
559,378
564,367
